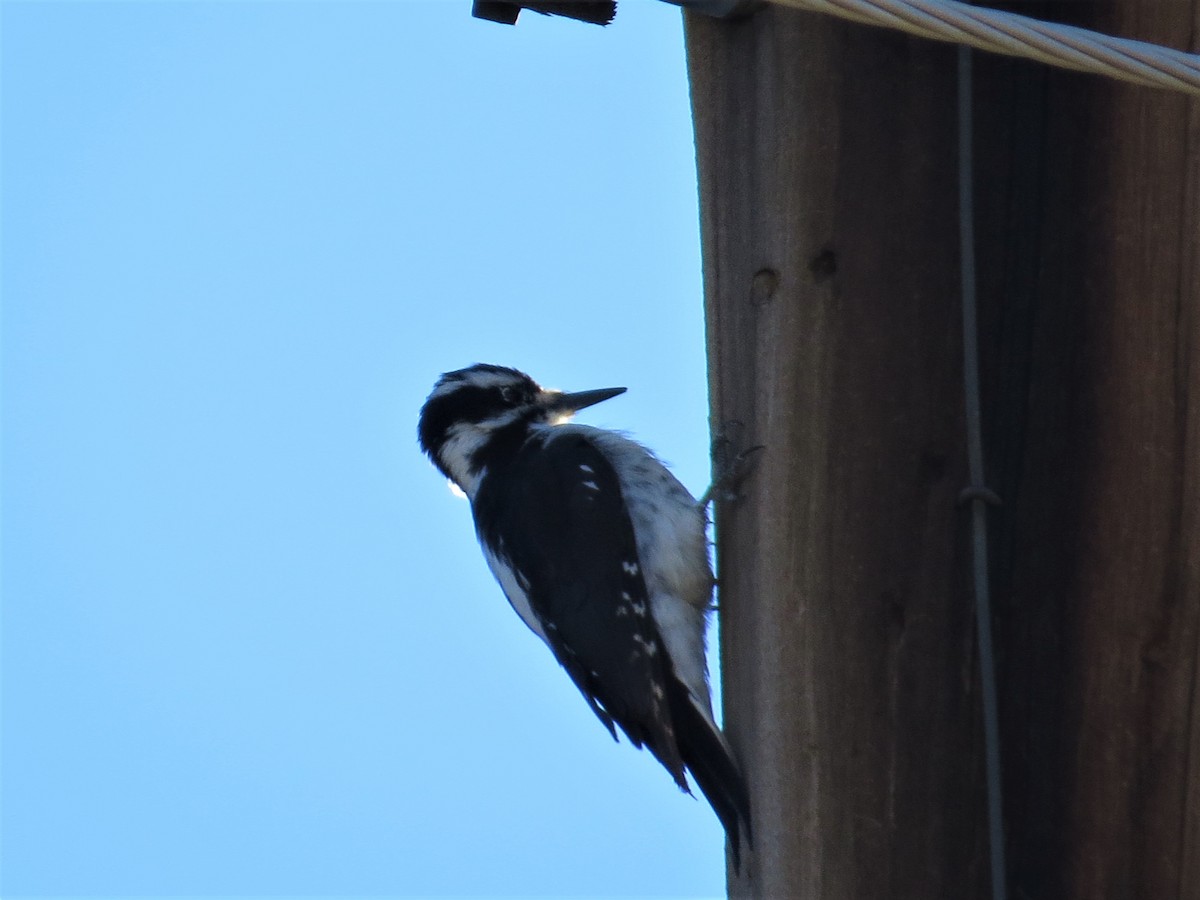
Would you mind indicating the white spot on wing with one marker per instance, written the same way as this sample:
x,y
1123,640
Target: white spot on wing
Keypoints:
x,y
647,647
631,568
584,467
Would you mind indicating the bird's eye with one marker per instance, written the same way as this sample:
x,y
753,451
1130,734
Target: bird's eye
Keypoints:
x,y
508,394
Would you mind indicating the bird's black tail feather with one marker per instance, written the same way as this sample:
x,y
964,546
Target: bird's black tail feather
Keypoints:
x,y
707,757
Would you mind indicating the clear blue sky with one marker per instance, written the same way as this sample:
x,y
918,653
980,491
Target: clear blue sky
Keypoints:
x,y
250,646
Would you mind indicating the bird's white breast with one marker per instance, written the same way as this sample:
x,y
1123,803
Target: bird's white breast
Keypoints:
x,y
515,589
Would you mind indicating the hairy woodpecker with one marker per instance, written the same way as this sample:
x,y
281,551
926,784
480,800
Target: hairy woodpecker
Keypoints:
x,y
603,554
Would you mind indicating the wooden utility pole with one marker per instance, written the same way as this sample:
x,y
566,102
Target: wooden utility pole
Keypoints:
x,y
827,163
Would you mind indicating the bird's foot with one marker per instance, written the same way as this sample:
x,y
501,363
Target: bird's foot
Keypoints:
x,y
730,464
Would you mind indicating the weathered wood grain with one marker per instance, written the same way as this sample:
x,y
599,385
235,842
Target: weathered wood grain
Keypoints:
x,y
826,160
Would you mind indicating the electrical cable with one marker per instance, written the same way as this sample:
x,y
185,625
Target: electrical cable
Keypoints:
x,y
977,494
997,31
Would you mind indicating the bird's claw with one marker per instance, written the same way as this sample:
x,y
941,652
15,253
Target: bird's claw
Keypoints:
x,y
729,468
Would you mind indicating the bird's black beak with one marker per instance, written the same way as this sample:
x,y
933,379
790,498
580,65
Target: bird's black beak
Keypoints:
x,y
569,403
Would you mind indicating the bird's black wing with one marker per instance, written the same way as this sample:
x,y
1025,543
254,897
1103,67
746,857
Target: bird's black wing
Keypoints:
x,y
555,513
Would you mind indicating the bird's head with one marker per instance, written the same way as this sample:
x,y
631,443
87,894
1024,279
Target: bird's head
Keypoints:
x,y
469,409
